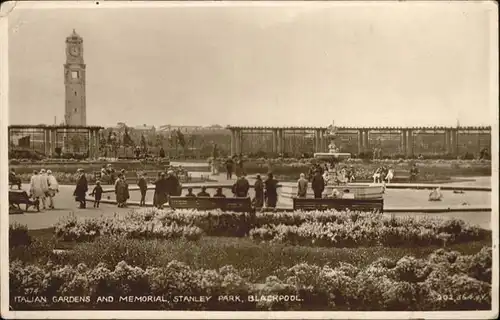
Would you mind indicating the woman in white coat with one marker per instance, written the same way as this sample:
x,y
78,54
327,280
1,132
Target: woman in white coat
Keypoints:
x,y
36,187
53,188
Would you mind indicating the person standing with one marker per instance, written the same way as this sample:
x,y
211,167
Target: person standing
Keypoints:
x,y
172,185
160,191
121,191
302,185
36,189
53,188
259,192
271,191
81,188
97,193
162,153
44,182
229,168
242,186
143,186
318,185
240,163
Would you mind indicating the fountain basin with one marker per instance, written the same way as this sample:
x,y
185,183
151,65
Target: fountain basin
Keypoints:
x,y
330,156
349,191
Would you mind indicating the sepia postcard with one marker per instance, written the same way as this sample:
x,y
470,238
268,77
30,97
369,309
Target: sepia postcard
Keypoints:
x,y
249,159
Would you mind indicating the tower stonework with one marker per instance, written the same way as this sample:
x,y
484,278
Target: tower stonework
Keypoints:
x,y
74,82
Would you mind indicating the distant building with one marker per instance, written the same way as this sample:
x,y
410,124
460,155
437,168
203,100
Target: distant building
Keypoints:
x,y
145,128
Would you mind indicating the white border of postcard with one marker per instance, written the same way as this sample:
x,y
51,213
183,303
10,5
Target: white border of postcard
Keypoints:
x,y
4,217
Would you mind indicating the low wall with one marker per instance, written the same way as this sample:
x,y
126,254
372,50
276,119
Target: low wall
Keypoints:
x,y
71,167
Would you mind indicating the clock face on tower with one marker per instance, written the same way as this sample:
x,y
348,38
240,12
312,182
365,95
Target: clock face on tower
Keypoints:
x,y
74,51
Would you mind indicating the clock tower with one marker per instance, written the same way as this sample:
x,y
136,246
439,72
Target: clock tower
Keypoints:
x,y
74,82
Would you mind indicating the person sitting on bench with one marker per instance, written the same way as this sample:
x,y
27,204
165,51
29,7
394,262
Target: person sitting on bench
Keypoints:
x,y
203,193
390,175
377,175
14,180
190,193
219,194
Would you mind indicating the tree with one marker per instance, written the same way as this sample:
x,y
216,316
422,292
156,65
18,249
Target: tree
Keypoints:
x,y
114,142
143,143
75,142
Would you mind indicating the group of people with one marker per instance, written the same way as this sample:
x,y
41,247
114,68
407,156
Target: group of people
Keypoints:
x,y
332,174
318,185
166,185
234,165
383,174
266,192
43,186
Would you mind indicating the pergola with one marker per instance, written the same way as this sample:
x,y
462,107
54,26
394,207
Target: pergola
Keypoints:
x,y
406,140
281,138
46,138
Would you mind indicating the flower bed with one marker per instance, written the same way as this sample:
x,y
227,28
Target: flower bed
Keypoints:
x,y
73,229
321,228
443,281
369,232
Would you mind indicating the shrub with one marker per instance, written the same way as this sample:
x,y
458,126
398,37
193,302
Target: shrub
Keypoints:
x,y
18,235
406,284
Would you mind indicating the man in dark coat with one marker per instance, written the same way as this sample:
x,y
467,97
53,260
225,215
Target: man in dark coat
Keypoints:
x,y
172,184
160,196
229,168
203,193
318,185
242,186
219,194
162,153
259,192
143,186
271,193
190,193
81,188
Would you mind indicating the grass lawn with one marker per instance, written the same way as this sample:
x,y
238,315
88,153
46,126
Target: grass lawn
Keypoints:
x,y
256,260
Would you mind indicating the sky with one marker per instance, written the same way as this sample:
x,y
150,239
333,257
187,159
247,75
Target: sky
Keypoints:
x,y
306,64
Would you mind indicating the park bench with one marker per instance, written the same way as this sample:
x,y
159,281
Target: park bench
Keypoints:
x,y
310,204
224,204
401,176
18,197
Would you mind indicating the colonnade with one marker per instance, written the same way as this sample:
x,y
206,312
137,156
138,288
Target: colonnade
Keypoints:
x,y
407,137
50,137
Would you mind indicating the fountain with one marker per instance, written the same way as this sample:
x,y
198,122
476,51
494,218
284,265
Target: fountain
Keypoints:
x,y
333,155
337,185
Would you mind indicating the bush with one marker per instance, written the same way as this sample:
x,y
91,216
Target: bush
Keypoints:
x,y
18,235
406,284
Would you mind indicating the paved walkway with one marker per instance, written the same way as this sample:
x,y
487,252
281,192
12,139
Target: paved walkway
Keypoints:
x,y
65,204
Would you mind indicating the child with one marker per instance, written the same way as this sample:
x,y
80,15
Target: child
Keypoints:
x,y
143,186
97,193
